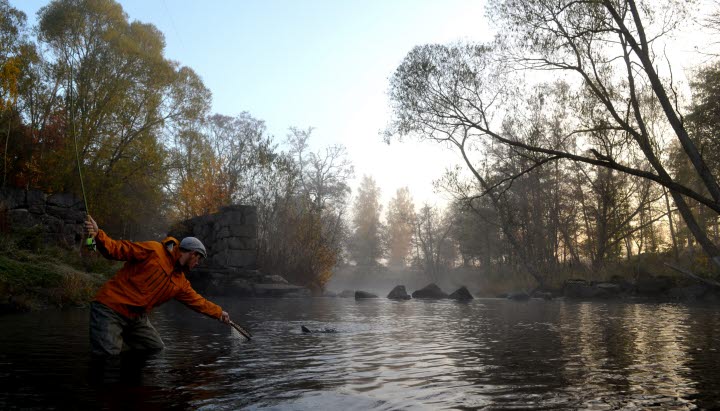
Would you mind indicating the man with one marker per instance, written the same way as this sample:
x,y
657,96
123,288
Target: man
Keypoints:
x,y
153,273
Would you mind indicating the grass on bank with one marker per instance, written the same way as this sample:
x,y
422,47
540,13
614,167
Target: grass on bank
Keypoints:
x,y
35,275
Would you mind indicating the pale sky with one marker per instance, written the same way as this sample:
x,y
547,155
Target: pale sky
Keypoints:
x,y
314,63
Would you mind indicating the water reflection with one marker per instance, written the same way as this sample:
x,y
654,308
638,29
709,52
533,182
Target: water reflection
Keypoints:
x,y
490,354
622,355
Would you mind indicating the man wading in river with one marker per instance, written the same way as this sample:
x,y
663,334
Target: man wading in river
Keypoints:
x,y
153,273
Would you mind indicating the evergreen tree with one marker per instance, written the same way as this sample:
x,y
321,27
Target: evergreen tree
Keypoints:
x,y
400,216
366,244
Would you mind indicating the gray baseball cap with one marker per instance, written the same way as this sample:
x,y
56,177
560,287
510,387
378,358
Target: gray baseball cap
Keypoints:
x,y
193,244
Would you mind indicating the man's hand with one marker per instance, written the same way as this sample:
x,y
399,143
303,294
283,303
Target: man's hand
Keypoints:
x,y
91,226
225,317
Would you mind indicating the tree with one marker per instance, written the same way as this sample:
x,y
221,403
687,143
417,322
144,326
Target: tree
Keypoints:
x,y
477,233
219,162
366,242
609,213
573,37
464,94
435,252
16,54
12,40
712,22
704,126
302,201
703,119
324,175
120,96
400,217
297,244
244,149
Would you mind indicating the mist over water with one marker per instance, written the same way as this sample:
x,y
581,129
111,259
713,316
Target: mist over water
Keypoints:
x,y
382,282
379,284
490,354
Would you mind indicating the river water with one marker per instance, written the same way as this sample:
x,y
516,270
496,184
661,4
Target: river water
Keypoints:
x,y
385,355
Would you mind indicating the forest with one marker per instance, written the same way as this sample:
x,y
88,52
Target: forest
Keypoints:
x,y
584,156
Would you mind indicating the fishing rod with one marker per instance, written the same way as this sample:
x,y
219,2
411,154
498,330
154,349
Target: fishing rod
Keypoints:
x,y
90,241
241,330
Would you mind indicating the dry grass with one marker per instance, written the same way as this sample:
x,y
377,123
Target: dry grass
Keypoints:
x,y
78,288
47,276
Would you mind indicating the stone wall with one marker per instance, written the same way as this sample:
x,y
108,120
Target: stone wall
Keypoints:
x,y
57,217
230,236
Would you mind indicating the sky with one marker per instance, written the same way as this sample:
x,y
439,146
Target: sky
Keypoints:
x,y
324,64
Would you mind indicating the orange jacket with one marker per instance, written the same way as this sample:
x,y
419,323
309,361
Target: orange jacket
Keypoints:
x,y
149,278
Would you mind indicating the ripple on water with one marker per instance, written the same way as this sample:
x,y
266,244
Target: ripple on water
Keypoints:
x,y
385,355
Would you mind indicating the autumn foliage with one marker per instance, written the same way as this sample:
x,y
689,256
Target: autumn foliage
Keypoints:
x,y
101,99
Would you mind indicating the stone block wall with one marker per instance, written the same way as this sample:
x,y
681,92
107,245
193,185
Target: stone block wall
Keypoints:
x,y
58,217
230,236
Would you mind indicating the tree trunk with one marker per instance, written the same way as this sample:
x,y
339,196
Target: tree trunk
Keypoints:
x,y
7,140
676,252
700,236
642,49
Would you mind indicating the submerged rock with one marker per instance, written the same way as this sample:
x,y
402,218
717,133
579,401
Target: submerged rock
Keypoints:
x,y
274,279
398,293
461,293
318,331
431,291
364,294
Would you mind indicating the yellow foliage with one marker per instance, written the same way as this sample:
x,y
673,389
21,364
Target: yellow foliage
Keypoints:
x,y
9,75
315,255
205,193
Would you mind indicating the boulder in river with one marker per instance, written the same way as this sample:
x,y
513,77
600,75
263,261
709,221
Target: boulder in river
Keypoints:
x,y
653,286
462,294
545,295
364,294
399,293
609,290
518,296
346,294
431,291
578,288
689,293
581,289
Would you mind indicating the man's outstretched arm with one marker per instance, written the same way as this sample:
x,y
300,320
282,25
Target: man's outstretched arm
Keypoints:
x,y
197,302
121,250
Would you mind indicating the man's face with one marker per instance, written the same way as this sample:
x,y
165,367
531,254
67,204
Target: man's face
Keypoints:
x,y
191,260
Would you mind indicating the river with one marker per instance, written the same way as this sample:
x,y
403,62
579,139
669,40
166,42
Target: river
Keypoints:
x,y
385,355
